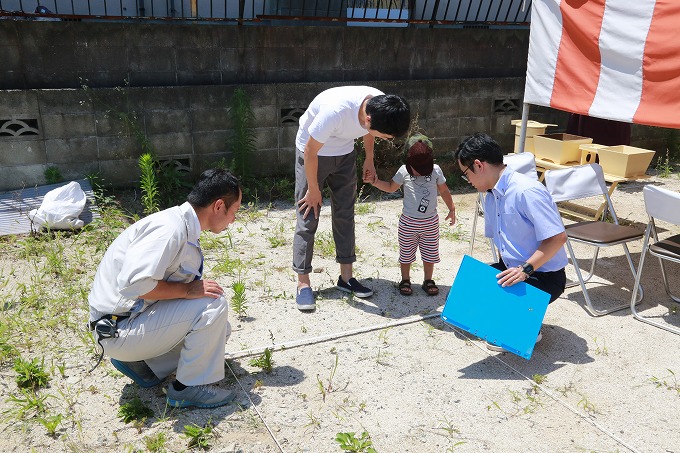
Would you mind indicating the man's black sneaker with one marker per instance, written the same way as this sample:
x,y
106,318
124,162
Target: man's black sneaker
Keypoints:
x,y
353,286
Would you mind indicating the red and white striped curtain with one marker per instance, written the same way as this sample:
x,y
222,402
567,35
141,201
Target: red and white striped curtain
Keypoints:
x,y
613,59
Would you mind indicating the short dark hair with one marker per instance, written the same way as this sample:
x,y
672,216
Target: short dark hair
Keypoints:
x,y
479,146
213,184
390,114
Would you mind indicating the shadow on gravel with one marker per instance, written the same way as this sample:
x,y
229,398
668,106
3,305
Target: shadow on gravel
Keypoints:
x,y
558,347
386,300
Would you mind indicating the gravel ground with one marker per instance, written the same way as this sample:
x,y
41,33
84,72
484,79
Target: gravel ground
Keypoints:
x,y
386,365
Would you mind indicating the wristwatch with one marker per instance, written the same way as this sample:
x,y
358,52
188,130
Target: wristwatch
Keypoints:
x,y
527,268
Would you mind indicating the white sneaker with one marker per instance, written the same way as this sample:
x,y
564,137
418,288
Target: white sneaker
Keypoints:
x,y
496,348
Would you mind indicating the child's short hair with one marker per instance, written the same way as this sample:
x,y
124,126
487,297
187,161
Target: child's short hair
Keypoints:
x,y
419,155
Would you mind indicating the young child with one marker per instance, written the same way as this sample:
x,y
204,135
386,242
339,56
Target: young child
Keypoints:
x,y
419,221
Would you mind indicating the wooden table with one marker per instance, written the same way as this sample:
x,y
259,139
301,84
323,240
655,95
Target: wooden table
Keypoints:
x,y
573,209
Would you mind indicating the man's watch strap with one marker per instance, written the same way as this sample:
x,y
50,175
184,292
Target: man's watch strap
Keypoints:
x,y
527,268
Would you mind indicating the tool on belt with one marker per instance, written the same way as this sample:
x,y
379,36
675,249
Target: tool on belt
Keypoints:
x,y
105,327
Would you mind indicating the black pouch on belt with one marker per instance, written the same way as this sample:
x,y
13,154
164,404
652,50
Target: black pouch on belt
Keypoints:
x,y
107,326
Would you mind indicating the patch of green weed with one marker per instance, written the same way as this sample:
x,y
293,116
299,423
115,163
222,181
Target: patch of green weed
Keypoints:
x,y
134,410
351,443
53,175
155,443
199,437
239,301
31,375
264,361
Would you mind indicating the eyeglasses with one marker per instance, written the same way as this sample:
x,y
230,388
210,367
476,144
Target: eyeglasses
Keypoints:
x,y
464,175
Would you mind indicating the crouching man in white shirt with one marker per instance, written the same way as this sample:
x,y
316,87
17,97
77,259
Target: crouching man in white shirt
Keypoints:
x,y
150,309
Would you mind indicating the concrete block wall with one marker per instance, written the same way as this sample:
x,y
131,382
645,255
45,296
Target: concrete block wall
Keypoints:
x,y
79,131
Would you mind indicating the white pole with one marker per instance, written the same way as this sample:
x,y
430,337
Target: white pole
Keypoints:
x,y
523,129
328,337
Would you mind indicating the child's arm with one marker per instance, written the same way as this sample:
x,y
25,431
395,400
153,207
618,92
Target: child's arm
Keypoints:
x,y
385,186
446,196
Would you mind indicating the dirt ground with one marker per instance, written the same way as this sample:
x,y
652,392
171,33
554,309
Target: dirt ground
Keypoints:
x,y
388,365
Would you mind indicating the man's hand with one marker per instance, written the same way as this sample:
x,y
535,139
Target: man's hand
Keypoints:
x,y
369,174
511,276
203,288
369,177
311,201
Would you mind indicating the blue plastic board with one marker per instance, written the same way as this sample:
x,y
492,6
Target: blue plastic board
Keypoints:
x,y
510,317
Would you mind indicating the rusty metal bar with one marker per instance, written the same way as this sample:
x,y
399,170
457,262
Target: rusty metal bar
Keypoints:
x,y
446,10
479,8
457,10
435,8
467,13
507,13
526,13
488,10
498,11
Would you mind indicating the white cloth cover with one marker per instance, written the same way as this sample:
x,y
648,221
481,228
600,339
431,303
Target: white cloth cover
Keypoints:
x,y
577,182
662,204
60,208
524,163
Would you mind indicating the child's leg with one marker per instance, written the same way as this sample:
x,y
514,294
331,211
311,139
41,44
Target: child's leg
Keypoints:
x,y
407,234
408,245
429,252
428,270
406,271
428,243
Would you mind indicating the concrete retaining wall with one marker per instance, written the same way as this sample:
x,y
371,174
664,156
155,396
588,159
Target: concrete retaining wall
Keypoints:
x,y
80,131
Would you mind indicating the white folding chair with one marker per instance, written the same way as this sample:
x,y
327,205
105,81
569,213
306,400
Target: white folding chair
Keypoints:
x,y
585,181
524,163
661,205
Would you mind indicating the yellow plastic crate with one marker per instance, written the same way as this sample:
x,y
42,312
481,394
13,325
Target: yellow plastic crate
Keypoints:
x,y
589,153
533,128
625,161
559,148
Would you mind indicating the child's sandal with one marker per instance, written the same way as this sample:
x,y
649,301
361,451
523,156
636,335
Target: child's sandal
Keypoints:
x,y
405,287
430,288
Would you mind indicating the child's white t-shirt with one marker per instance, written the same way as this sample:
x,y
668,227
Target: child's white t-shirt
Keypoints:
x,y
420,192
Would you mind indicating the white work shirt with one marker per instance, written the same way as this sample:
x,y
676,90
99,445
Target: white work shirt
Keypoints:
x,y
519,214
332,118
162,246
